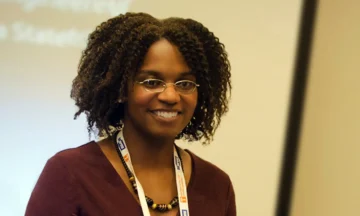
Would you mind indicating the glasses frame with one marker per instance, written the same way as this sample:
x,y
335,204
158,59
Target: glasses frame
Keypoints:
x,y
165,85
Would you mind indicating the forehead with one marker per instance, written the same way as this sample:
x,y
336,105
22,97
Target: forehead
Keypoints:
x,y
164,58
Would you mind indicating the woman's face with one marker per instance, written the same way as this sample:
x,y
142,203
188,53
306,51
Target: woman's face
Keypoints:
x,y
164,114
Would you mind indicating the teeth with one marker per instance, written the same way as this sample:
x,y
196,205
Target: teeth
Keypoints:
x,y
166,114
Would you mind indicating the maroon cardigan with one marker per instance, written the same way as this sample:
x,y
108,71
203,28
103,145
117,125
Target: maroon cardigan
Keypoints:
x,y
81,181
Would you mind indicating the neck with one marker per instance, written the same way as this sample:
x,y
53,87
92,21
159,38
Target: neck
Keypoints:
x,y
146,151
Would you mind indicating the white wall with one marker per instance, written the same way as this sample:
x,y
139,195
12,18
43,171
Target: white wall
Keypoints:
x,y
328,170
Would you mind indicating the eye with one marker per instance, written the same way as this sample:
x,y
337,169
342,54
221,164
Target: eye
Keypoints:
x,y
186,85
153,83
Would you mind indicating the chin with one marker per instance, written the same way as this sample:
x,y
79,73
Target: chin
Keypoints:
x,y
164,134
163,129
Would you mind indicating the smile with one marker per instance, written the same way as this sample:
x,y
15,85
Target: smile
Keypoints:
x,y
166,114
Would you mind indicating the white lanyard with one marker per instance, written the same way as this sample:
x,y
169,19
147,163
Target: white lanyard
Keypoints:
x,y
180,179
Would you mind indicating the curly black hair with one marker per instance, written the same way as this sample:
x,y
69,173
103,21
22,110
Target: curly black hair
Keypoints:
x,y
115,51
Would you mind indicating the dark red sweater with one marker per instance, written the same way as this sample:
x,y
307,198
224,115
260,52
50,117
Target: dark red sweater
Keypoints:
x,y
81,181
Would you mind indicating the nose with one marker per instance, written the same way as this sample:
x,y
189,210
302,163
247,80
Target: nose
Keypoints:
x,y
169,95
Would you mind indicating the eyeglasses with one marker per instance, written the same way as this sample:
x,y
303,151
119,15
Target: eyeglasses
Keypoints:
x,y
158,86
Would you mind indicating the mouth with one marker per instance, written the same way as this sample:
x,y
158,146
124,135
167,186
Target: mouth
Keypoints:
x,y
166,116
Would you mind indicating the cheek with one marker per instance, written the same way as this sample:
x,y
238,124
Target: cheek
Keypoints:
x,y
140,98
191,101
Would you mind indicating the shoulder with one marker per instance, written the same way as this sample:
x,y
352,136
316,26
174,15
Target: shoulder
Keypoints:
x,y
207,169
62,166
81,153
70,167
56,190
212,187
74,160
207,175
77,151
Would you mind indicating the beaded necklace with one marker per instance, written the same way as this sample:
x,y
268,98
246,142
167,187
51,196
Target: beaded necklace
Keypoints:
x,y
150,202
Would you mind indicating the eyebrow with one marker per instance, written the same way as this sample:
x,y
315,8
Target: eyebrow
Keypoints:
x,y
159,74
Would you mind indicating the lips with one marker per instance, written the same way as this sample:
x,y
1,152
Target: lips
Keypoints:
x,y
166,115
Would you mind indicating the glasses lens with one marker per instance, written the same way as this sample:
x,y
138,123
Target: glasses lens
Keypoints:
x,y
153,85
185,86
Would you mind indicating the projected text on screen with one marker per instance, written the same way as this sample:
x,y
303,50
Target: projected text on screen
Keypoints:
x,y
25,31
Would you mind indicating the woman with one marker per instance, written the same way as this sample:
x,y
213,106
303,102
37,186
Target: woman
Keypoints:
x,y
143,83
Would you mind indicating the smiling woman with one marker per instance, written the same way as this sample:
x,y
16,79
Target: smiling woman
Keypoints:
x,y
143,83
163,113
